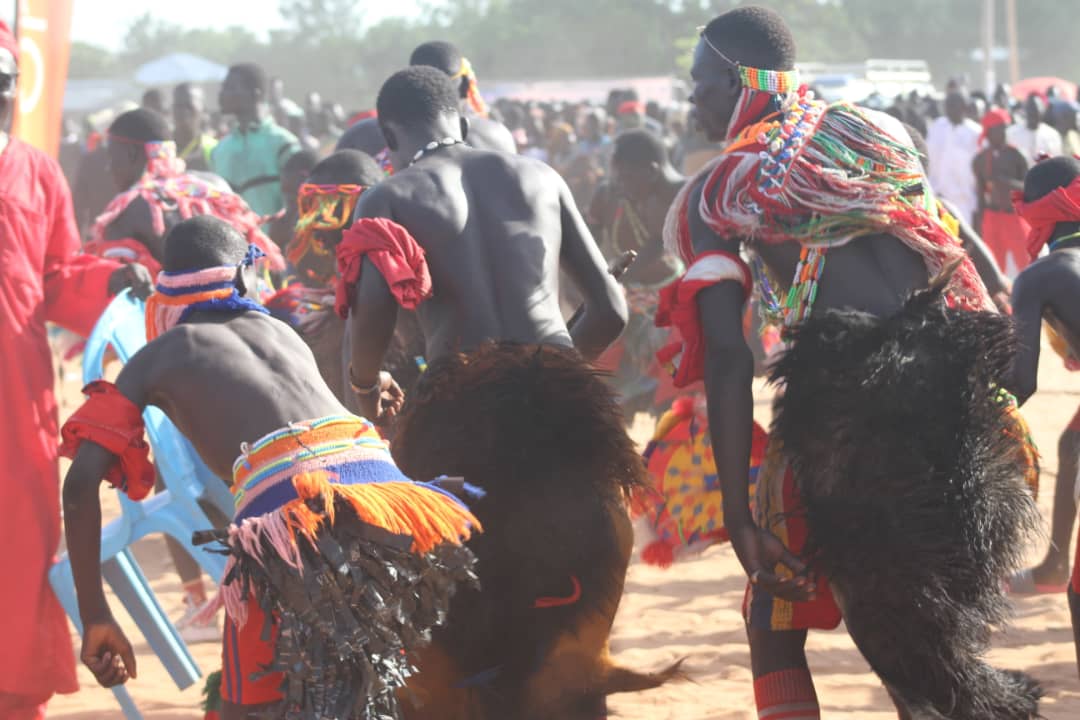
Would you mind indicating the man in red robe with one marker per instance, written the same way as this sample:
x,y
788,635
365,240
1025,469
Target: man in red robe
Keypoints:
x,y
44,279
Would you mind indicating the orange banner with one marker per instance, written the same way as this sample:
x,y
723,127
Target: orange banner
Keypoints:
x,y
44,31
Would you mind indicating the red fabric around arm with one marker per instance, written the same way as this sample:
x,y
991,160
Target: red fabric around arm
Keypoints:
x,y
678,309
393,251
110,420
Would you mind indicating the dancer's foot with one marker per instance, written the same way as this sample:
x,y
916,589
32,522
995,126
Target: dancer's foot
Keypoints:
x,y
194,627
1049,577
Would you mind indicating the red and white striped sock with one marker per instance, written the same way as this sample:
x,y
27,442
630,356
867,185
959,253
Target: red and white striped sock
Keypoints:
x,y
786,695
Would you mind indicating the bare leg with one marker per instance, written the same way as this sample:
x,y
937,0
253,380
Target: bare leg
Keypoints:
x,y
781,675
901,710
230,711
1054,569
186,566
772,651
189,571
1074,609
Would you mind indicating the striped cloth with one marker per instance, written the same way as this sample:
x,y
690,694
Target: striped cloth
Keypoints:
x,y
348,448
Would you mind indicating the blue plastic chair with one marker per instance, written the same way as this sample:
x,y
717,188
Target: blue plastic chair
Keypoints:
x,y
174,511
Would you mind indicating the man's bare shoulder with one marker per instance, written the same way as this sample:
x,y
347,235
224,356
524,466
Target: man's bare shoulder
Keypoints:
x,y
404,183
494,170
142,377
1015,155
189,346
378,200
134,221
702,236
175,347
186,341
493,158
488,134
1048,276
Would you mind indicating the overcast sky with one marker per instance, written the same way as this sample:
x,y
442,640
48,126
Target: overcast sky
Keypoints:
x,y
105,22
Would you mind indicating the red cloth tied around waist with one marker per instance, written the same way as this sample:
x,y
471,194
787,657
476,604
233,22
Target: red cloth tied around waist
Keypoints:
x,y
110,420
1061,205
396,255
678,309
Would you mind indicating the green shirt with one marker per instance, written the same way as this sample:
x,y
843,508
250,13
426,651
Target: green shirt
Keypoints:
x,y
251,159
197,154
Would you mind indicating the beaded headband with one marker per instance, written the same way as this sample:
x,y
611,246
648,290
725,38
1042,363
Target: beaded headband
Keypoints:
x,y
465,70
475,100
777,82
321,208
326,207
177,293
155,149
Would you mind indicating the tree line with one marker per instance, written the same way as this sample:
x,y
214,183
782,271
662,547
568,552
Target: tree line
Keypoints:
x,y
325,45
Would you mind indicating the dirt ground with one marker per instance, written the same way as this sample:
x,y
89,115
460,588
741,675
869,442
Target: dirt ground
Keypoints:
x,y
692,611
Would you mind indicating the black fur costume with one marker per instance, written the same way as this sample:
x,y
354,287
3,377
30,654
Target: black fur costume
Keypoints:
x,y
347,623
542,434
912,479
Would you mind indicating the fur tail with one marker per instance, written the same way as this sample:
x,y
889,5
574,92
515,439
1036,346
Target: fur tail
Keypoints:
x,y
622,680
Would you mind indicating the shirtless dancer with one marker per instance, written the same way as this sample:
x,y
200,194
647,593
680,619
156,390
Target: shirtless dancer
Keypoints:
x,y
848,385
1051,576
325,205
1048,289
495,228
485,133
643,186
475,240
156,191
227,374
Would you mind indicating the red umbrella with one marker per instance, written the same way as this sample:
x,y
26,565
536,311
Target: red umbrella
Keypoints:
x,y
1039,85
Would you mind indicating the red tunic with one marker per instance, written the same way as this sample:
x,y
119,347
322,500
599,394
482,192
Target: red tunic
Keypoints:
x,y
44,278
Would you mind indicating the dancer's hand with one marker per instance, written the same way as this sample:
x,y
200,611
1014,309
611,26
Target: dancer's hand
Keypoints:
x,y
760,552
382,406
134,276
107,652
1003,302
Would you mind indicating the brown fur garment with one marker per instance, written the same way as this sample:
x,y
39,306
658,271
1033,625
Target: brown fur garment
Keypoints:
x,y
541,433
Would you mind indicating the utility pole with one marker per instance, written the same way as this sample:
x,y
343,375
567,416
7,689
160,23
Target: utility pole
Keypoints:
x,y
989,77
1014,41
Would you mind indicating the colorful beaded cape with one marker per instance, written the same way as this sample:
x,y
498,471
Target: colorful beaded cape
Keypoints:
x,y
820,175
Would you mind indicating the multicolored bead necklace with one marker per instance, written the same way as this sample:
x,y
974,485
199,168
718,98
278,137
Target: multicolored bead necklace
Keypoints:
x,y
799,300
1062,240
785,142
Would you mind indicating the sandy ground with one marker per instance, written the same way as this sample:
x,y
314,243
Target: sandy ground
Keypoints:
x,y
691,611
